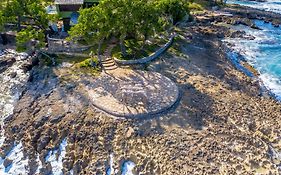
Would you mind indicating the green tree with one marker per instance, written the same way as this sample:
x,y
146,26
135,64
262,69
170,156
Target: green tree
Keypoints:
x,y
30,17
137,19
1,21
93,25
173,10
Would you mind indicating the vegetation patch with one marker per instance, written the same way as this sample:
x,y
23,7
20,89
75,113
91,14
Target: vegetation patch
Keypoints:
x,y
138,49
90,62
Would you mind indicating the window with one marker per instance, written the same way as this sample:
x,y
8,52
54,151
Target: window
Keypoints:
x,y
89,4
69,8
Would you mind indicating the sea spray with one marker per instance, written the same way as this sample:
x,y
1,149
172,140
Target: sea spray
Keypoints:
x,y
55,157
263,53
10,92
126,168
269,5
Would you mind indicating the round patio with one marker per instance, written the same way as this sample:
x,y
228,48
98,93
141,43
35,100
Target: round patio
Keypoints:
x,y
132,94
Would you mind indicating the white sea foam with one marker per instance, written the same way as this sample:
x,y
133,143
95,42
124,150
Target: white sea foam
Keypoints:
x,y
127,168
269,5
10,91
263,53
19,164
39,164
57,162
272,83
110,170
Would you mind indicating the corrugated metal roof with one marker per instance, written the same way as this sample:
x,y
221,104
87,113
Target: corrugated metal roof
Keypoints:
x,y
69,2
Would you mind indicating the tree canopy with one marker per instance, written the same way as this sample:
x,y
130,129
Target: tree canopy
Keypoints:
x,y
123,19
29,16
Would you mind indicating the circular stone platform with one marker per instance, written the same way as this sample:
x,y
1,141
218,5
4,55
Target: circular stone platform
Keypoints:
x,y
129,93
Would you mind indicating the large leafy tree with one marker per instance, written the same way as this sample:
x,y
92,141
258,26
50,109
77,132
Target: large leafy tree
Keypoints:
x,y
131,18
93,25
2,19
119,18
172,10
30,18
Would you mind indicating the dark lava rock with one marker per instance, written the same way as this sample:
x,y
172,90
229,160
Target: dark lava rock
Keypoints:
x,y
40,121
26,67
34,61
220,35
13,74
77,167
6,147
70,86
7,162
253,26
68,163
237,34
56,119
7,62
43,142
47,169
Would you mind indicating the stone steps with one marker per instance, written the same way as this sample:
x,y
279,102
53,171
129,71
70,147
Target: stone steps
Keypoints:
x,y
107,62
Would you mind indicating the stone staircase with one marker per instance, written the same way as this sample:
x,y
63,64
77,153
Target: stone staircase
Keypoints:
x,y
107,62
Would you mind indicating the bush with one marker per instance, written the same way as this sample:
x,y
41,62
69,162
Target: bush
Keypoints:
x,y
195,7
90,62
176,9
28,38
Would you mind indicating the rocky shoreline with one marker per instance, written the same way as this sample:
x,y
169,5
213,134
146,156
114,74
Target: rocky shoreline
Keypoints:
x,y
222,125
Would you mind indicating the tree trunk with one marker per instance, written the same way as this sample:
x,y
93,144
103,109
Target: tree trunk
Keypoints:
x,y
99,50
123,48
19,21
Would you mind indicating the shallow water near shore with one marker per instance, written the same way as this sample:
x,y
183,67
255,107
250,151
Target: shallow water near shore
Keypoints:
x,y
264,52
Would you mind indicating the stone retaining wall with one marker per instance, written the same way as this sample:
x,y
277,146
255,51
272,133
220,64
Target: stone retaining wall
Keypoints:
x,y
61,45
149,58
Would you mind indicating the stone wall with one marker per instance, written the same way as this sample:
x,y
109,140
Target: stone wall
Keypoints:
x,y
61,45
149,58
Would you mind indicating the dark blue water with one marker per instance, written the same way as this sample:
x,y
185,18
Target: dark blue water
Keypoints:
x,y
264,52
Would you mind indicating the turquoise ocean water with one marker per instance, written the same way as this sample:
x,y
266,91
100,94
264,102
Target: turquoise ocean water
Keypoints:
x,y
264,52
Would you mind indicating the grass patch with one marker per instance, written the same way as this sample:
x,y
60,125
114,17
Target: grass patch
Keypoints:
x,y
89,66
193,7
90,62
68,58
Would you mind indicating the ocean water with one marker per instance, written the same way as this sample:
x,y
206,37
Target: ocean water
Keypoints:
x,y
268,5
264,52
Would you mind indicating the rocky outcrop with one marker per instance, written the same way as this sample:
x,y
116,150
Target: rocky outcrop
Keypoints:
x,y
251,13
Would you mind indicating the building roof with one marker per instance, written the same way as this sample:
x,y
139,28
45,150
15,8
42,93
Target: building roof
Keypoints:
x,y
69,2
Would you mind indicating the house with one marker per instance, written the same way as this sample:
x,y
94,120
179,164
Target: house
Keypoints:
x,y
68,10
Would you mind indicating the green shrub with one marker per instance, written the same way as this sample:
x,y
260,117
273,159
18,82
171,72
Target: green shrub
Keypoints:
x,y
174,8
88,62
195,7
